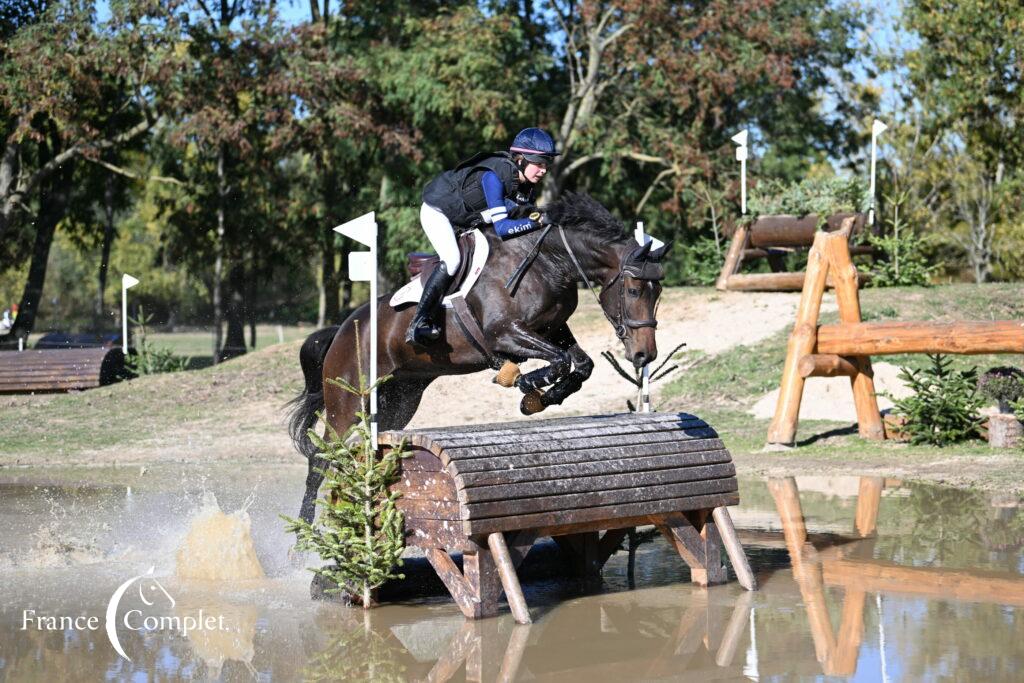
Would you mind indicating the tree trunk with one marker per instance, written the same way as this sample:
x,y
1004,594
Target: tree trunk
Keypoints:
x,y
329,310
108,240
54,197
218,264
234,342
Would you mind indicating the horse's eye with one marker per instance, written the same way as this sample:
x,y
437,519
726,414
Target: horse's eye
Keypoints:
x,y
634,292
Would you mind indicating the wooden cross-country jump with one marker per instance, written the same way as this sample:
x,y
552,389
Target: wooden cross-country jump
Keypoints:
x,y
489,491
845,349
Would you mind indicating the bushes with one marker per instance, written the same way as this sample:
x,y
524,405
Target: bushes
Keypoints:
x,y
944,406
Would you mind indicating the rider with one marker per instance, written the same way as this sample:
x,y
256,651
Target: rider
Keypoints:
x,y
486,186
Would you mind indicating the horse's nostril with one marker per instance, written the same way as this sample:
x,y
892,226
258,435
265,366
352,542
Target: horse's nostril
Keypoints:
x,y
639,359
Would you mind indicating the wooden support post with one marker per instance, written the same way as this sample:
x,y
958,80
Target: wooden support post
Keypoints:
x,y
695,537
801,343
827,365
509,580
869,497
869,418
734,549
733,257
472,589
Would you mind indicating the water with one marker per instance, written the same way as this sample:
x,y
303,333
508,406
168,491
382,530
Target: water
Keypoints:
x,y
861,579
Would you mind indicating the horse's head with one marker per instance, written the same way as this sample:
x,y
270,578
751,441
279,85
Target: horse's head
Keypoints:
x,y
630,301
602,250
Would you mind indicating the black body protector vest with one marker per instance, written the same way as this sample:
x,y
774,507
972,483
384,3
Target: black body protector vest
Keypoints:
x,y
459,193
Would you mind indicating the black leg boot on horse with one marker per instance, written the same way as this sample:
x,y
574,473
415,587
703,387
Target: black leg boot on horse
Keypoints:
x,y
426,327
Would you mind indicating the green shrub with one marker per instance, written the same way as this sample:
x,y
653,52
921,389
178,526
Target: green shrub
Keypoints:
x,y
359,531
701,262
944,406
903,261
145,358
821,196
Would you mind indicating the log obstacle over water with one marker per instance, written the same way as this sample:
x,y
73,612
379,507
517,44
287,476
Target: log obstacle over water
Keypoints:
x,y
845,349
772,237
489,491
51,370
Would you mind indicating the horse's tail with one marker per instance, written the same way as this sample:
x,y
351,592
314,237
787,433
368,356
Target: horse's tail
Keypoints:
x,y
304,407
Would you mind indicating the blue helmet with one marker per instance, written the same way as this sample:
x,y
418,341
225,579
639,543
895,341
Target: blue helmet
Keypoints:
x,y
535,145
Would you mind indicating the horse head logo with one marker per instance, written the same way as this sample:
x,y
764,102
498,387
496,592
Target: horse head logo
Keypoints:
x,y
150,590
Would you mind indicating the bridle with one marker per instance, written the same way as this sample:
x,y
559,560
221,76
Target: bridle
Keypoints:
x,y
624,323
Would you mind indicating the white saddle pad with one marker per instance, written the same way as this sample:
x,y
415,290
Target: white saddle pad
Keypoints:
x,y
411,292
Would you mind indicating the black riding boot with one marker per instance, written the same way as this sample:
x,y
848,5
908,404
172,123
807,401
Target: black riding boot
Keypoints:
x,y
424,329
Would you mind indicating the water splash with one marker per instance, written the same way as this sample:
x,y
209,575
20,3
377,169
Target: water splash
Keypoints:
x,y
218,546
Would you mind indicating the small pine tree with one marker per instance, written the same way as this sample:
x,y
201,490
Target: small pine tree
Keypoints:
x,y
944,406
904,262
360,529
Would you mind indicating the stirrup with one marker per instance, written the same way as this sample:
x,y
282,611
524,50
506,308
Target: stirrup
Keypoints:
x,y
422,331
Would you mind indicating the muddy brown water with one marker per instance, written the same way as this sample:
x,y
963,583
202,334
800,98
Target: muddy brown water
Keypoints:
x,y
861,579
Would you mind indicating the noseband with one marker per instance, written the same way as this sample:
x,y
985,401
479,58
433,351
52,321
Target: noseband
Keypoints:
x,y
624,322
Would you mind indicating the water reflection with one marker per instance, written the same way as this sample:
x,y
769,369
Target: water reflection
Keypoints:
x,y
861,578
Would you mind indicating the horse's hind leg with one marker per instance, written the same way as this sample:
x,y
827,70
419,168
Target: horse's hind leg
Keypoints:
x,y
397,403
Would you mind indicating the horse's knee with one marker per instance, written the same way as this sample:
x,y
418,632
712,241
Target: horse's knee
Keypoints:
x,y
583,367
561,367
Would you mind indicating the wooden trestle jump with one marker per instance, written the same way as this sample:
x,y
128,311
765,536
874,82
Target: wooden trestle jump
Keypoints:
x,y
771,238
845,349
489,491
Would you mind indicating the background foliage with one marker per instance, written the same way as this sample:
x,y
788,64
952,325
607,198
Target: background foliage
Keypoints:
x,y
207,148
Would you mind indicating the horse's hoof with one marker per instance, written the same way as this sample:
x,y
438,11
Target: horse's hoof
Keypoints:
x,y
531,403
508,375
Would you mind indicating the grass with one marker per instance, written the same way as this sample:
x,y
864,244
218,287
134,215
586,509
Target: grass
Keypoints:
x,y
169,408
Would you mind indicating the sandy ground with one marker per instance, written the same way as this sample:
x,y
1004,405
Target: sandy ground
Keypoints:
x,y
711,325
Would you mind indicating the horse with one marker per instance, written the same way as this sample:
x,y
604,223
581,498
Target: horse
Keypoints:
x,y
520,323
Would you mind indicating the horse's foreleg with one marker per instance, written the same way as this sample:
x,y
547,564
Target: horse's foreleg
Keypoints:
x,y
583,365
520,342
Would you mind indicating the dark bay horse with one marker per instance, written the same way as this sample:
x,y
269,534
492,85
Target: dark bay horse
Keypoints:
x,y
589,245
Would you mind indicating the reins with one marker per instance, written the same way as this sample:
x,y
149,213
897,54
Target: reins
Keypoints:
x,y
624,323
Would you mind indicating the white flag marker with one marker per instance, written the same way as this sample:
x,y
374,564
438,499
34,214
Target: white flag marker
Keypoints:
x,y
127,282
362,267
645,386
877,128
741,156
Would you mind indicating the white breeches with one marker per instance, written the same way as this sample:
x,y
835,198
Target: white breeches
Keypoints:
x,y
441,235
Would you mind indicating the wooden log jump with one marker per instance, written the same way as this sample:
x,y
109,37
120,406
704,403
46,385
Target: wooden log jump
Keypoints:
x,y
772,237
845,349
51,370
489,491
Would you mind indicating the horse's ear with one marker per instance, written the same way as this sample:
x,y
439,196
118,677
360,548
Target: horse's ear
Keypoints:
x,y
659,253
641,254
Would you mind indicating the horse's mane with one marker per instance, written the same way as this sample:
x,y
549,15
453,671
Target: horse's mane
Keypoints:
x,y
578,209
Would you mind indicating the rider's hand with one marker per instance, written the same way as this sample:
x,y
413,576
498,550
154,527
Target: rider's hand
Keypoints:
x,y
541,219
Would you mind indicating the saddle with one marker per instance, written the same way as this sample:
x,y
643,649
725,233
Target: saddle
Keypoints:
x,y
421,264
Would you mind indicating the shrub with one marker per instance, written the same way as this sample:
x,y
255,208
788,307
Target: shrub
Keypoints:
x,y
903,261
1003,384
701,262
821,196
944,406
145,358
359,531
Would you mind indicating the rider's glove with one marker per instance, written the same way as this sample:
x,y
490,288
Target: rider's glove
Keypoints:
x,y
541,219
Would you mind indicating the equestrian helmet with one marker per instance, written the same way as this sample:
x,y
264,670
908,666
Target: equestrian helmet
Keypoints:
x,y
535,145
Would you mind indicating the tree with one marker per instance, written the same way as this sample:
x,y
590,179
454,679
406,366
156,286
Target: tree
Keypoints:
x,y
966,74
70,91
